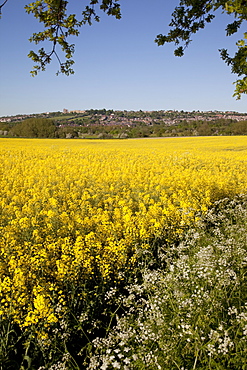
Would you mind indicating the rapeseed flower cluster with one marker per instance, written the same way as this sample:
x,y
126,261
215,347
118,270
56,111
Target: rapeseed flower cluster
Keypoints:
x,y
192,314
73,211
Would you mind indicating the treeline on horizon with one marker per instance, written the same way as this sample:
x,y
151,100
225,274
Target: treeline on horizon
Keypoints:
x,y
50,128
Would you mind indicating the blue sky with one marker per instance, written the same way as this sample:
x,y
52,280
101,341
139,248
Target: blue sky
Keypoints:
x,y
118,65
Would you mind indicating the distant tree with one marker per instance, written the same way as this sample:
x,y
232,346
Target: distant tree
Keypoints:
x,y
188,17
68,132
204,129
5,126
104,135
239,128
34,128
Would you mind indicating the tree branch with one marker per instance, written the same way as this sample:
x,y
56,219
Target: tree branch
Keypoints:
x,y
2,6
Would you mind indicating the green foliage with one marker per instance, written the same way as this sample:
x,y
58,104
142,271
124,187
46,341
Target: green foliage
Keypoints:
x,y
34,127
192,15
158,129
58,26
239,128
188,17
68,132
104,124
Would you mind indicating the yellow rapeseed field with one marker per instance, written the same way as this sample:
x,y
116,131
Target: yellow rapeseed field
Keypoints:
x,y
72,209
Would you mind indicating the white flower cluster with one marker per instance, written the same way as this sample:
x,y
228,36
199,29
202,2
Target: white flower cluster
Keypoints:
x,y
193,311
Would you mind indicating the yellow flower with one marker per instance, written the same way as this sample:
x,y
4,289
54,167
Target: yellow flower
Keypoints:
x,y
66,217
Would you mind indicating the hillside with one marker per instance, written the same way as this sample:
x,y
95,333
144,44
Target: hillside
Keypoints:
x,y
106,124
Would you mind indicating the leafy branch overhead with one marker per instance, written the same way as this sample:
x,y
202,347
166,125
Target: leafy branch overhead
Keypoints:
x,y
188,17
192,15
58,26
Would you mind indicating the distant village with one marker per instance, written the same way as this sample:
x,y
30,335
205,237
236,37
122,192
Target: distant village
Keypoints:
x,y
105,123
169,117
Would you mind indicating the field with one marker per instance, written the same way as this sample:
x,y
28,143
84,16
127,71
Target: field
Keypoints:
x,y
83,222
